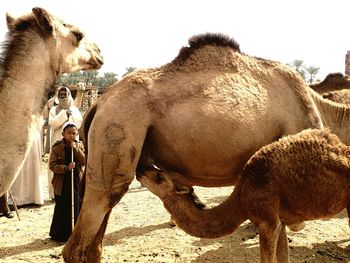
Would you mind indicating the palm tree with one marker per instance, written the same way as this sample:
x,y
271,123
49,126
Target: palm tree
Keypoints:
x,y
298,65
312,71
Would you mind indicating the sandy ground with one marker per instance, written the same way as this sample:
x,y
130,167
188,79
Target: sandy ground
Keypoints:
x,y
138,232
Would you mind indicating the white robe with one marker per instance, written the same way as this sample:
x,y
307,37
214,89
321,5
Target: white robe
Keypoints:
x,y
56,122
28,186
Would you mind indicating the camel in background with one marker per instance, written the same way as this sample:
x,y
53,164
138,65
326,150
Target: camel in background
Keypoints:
x,y
39,47
332,82
335,87
301,177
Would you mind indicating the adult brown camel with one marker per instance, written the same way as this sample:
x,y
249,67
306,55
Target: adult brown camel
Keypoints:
x,y
335,87
39,47
301,177
332,82
203,116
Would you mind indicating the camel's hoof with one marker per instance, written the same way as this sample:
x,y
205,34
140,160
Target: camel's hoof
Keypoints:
x,y
172,222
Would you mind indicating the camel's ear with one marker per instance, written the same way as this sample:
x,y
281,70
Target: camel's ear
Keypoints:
x,y
181,189
11,21
43,19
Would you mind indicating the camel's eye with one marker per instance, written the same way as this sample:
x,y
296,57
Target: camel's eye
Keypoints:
x,y
159,178
78,35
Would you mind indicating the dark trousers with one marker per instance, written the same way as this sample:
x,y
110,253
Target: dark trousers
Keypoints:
x,y
4,207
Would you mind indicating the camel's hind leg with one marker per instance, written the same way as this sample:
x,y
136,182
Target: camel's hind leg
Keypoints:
x,y
282,246
268,238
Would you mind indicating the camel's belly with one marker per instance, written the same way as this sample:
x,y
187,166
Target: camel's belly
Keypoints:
x,y
208,149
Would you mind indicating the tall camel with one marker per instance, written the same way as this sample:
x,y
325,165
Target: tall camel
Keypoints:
x,y
39,47
301,177
203,115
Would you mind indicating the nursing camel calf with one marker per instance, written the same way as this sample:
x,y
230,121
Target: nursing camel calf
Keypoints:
x,y
301,177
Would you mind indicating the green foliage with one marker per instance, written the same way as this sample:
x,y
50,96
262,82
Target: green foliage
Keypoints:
x,y
308,73
312,71
89,77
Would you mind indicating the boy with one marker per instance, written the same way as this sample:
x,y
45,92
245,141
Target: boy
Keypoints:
x,y
63,167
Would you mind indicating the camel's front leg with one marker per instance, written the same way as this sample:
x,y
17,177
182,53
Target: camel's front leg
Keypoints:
x,y
91,218
95,251
113,154
84,245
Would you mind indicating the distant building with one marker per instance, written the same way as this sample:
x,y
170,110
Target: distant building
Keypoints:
x,y
347,63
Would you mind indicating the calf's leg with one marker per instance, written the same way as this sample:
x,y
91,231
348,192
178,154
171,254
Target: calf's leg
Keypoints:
x,y
268,238
282,246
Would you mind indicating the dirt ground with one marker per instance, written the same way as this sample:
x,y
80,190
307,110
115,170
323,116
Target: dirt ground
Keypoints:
x,y
138,231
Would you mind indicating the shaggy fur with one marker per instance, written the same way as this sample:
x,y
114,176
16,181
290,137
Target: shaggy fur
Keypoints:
x,y
301,177
198,41
340,96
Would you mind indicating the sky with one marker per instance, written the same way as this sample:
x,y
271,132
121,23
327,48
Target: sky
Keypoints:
x,y
145,34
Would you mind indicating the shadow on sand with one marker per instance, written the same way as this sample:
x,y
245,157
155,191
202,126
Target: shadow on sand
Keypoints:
x,y
36,245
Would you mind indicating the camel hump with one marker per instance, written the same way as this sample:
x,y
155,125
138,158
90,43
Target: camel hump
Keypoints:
x,y
333,81
208,39
214,39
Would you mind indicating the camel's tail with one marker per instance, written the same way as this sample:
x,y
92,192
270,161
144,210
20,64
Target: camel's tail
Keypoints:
x,y
84,132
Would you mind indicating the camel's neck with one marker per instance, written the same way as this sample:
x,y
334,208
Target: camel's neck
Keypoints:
x,y
334,115
23,94
207,223
79,98
26,79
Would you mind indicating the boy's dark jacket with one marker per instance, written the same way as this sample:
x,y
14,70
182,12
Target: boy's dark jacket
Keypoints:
x,y
58,166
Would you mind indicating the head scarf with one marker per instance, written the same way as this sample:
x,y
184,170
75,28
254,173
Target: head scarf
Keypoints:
x,y
66,102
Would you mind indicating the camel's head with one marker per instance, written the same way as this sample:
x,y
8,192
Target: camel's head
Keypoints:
x,y
64,45
160,183
81,86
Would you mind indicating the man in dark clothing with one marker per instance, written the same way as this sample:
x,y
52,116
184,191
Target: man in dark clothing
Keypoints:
x,y
64,167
